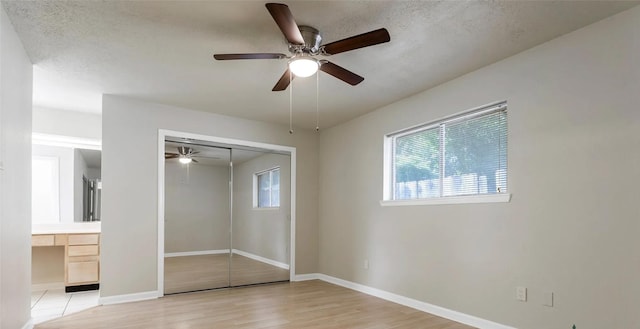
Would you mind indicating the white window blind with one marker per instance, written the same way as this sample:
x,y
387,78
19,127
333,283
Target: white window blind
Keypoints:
x,y
459,156
268,188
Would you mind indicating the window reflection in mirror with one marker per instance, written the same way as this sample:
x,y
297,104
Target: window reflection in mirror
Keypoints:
x,y
66,182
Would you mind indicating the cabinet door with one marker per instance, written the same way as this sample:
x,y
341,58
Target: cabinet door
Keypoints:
x,y
82,272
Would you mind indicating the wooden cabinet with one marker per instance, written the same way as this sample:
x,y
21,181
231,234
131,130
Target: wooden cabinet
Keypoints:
x,y
43,240
81,256
48,240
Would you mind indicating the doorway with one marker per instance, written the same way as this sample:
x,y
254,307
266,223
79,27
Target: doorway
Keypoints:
x,y
226,213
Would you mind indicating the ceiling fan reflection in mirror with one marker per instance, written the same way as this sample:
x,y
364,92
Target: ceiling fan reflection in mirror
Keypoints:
x,y
185,155
305,44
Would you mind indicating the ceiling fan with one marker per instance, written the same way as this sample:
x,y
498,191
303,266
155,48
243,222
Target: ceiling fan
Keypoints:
x,y
185,155
305,43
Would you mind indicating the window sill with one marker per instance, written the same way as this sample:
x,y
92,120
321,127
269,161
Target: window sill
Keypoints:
x,y
494,198
266,208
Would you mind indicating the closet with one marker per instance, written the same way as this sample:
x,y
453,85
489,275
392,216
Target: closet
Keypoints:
x,y
227,216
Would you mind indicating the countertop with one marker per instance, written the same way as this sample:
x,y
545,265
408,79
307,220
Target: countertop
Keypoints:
x,y
61,228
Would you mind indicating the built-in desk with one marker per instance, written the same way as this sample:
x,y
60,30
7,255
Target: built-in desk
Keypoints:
x,y
81,253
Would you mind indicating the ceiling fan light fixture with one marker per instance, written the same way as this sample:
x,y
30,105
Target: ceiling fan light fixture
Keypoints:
x,y
304,67
184,159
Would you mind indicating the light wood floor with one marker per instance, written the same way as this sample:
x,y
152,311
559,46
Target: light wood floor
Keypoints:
x,y
192,273
309,304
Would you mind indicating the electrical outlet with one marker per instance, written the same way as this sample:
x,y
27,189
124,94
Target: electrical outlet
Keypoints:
x,y
548,299
365,265
521,294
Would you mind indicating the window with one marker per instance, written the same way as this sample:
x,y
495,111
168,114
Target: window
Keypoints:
x,y
267,189
462,155
45,187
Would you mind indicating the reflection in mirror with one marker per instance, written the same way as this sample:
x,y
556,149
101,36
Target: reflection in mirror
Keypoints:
x,y
65,183
225,224
196,218
45,196
261,221
87,177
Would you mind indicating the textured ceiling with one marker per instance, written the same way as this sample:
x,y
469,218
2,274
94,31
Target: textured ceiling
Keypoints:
x,y
161,51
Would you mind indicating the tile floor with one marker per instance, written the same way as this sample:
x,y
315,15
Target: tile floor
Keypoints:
x,y
54,303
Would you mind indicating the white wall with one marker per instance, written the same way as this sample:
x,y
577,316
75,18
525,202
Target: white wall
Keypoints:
x,y
67,123
262,232
129,209
196,207
66,175
574,165
15,178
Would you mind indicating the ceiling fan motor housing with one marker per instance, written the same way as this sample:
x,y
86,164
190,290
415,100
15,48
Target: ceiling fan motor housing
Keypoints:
x,y
312,41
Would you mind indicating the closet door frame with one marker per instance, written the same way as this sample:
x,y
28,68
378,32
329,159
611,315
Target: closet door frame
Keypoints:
x,y
227,142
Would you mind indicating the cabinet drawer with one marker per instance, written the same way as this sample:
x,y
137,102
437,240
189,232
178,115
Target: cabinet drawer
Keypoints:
x,y
88,250
42,240
77,259
61,239
82,239
83,272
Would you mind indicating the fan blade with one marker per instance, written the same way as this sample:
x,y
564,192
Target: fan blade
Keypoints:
x,y
206,157
283,17
168,155
194,160
358,41
341,73
284,81
226,57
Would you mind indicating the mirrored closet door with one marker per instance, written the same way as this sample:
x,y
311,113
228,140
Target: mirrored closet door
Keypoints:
x,y
227,220
197,212
261,221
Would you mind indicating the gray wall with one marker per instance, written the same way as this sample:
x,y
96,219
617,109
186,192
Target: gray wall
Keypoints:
x,y
262,232
129,210
196,207
47,266
574,165
15,180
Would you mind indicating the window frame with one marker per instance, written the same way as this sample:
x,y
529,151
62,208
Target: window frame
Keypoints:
x,y
389,168
256,188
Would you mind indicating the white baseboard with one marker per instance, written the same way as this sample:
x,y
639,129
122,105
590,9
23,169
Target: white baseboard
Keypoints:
x,y
406,301
306,277
28,325
196,253
226,251
47,286
261,259
136,297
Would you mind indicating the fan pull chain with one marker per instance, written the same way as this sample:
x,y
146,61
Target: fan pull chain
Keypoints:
x,y
317,107
290,102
